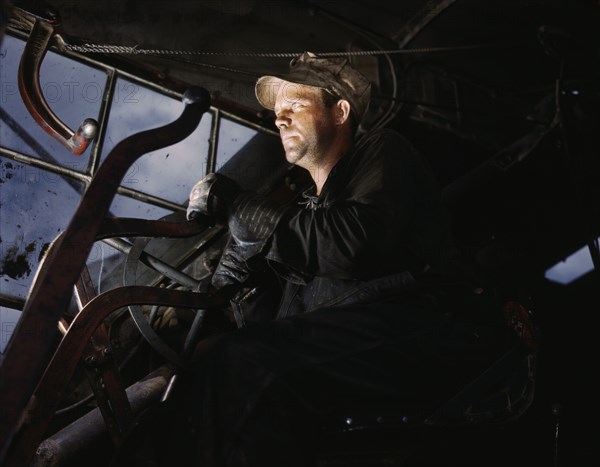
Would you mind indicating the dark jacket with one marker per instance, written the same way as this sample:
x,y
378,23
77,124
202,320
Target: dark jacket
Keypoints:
x,y
377,224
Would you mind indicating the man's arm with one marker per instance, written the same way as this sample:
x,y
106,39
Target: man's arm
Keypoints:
x,y
381,207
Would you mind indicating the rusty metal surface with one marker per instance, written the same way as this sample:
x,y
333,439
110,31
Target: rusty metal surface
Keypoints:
x,y
103,376
61,368
102,371
44,33
36,335
73,440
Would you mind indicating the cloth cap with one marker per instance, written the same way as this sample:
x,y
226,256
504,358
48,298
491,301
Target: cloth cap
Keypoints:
x,y
336,75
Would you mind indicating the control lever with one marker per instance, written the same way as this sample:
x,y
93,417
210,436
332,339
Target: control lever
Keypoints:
x,y
46,31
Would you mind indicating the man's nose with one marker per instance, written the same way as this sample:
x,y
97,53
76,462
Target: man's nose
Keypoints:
x,y
283,120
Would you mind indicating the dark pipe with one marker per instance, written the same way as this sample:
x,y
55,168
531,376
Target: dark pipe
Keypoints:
x,y
72,440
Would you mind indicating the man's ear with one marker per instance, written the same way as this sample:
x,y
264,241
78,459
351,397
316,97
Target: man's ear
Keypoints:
x,y
342,111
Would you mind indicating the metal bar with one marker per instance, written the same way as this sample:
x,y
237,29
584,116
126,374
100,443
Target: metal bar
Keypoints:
x,y
11,302
107,98
101,369
105,380
155,263
59,372
211,163
146,198
136,312
133,227
38,163
84,288
42,33
101,64
190,338
36,336
254,126
151,84
95,381
84,292
75,438
41,151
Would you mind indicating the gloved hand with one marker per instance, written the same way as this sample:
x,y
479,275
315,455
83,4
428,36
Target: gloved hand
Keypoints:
x,y
252,222
252,219
232,268
214,196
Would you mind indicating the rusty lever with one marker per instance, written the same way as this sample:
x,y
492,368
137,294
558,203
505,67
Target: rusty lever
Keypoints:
x,y
45,32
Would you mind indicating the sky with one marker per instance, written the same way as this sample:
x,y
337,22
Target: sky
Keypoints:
x,y
36,205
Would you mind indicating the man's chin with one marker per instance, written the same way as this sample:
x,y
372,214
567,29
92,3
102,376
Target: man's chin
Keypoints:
x,y
292,156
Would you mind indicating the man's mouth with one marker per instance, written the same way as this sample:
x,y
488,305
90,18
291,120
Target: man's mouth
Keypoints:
x,y
288,137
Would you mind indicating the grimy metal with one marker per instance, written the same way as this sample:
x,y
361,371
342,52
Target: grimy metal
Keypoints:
x,y
36,336
45,32
60,369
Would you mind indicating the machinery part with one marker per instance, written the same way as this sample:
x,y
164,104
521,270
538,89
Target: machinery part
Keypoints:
x,y
139,255
72,440
137,314
101,369
44,33
42,404
36,335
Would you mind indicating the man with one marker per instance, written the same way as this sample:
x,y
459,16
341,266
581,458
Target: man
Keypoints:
x,y
365,313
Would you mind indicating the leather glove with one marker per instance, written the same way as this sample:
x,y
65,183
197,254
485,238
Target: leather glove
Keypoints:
x,y
214,196
232,268
251,224
252,219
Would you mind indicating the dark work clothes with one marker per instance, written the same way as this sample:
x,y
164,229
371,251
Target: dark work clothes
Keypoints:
x,y
379,213
263,391
366,316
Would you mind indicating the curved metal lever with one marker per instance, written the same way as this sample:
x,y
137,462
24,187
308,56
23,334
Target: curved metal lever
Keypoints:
x,y
44,33
62,365
36,336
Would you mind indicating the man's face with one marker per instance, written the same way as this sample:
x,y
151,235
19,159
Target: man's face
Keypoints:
x,y
305,125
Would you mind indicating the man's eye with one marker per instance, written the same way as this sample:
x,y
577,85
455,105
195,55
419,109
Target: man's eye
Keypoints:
x,y
297,106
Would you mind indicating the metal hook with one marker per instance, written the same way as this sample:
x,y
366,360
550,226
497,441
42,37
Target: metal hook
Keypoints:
x,y
45,28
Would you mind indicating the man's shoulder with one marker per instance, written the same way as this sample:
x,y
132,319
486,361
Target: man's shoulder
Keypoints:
x,y
385,141
382,136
